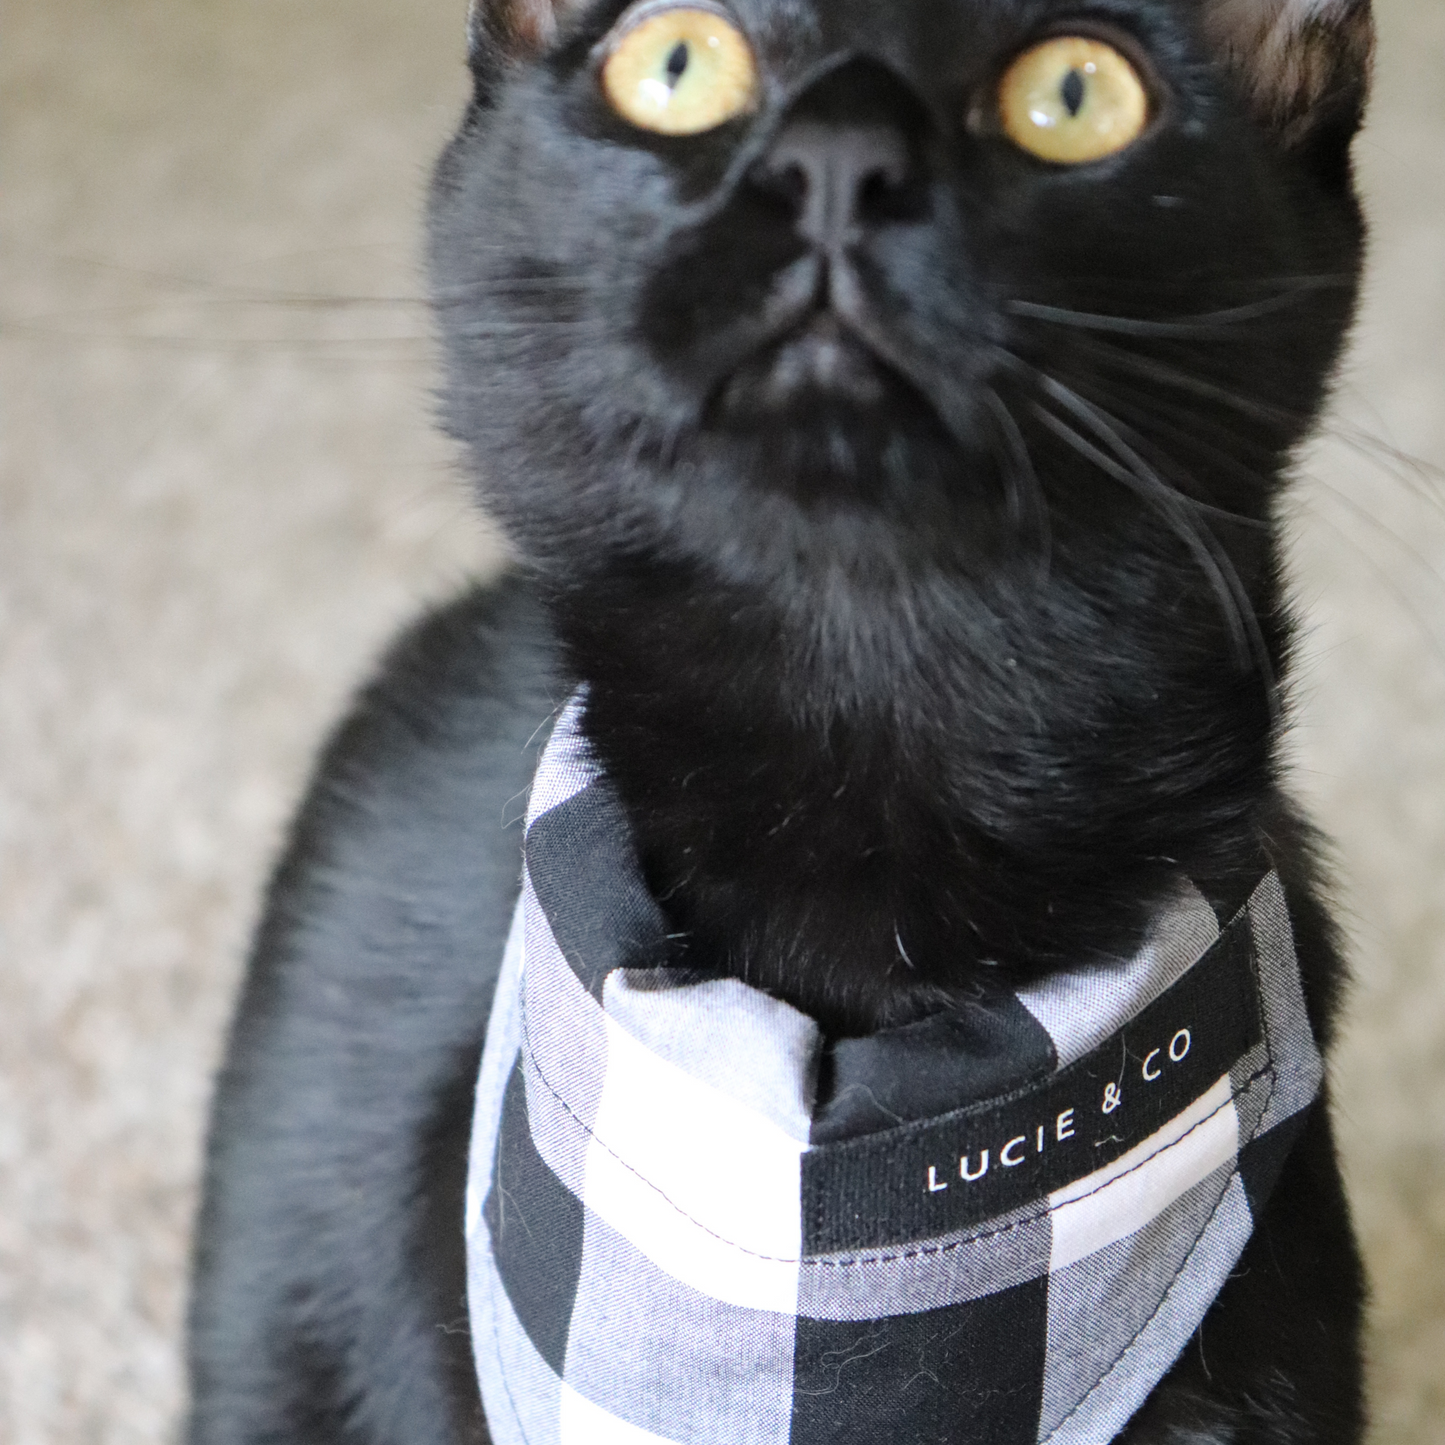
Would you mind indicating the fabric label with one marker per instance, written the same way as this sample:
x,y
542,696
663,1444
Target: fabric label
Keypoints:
x,y
924,1180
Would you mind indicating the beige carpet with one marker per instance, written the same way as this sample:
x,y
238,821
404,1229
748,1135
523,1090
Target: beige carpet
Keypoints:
x,y
220,492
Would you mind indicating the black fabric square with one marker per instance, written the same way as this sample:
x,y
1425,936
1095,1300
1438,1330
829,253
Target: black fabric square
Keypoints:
x,y
931,1067
1263,1158
969,1371
536,1225
585,875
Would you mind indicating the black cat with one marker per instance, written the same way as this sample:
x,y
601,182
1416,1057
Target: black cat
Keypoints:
x,y
894,455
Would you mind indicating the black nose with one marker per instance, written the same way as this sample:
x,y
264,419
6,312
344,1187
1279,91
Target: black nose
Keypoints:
x,y
835,174
847,156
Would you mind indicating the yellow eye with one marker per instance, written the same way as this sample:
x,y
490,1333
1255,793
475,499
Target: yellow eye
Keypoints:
x,y
1072,100
679,70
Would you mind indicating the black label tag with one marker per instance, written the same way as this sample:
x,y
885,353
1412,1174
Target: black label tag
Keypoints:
x,y
927,1179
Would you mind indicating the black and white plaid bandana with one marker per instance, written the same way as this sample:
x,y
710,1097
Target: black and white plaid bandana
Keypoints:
x,y
999,1224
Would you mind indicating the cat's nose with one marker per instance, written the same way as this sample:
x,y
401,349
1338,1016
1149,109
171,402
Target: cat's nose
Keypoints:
x,y
850,155
837,176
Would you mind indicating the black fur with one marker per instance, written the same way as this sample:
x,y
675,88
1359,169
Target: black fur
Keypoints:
x,y
330,1262
951,665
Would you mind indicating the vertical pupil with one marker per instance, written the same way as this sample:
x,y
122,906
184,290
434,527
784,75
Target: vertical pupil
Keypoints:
x,y
676,62
1072,91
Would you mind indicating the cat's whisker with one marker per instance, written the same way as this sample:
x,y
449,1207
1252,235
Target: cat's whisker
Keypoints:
x,y
1128,468
351,350
212,306
1168,466
1389,585
1106,428
670,441
1151,368
1210,559
1202,326
516,328
504,289
1027,502
1413,556
1220,457
636,440
1423,482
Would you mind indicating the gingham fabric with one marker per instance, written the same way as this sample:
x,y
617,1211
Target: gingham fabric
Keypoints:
x,y
689,1220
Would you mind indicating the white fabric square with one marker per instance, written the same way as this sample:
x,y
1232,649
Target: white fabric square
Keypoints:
x,y
703,1186
1115,1201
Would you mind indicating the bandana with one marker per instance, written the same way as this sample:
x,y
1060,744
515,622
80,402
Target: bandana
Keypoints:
x,y
691,1220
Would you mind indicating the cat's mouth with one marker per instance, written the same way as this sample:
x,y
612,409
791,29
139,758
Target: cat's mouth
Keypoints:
x,y
819,370
822,378
817,360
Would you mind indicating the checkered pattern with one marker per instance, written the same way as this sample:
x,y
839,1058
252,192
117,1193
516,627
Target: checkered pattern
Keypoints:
x,y
1001,1224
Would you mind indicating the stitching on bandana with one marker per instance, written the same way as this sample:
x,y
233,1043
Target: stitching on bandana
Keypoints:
x,y
922,1251
1164,1298
1269,1069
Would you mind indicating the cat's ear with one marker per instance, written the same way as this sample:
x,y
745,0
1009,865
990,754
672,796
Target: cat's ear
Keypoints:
x,y
501,31
1305,64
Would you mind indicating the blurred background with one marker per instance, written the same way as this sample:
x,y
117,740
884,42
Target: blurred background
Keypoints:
x,y
220,491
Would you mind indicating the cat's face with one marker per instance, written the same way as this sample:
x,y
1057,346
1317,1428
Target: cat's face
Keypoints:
x,y
858,324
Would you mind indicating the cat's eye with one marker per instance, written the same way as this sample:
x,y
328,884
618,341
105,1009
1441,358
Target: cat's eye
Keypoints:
x,y
678,69
1072,99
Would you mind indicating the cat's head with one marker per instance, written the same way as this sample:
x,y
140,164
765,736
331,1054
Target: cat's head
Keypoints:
x,y
802,297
